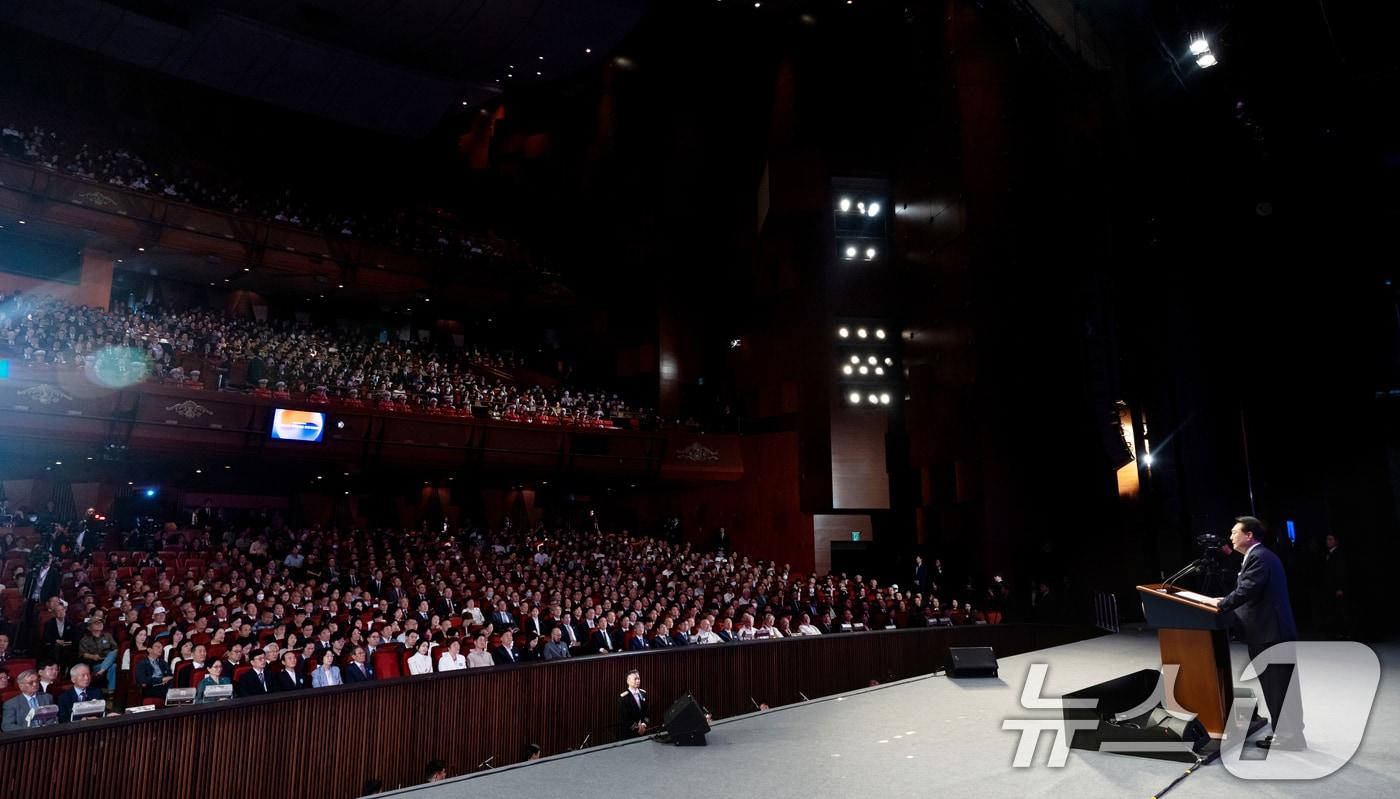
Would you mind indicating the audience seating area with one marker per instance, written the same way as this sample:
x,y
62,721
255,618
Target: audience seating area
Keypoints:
x,y
203,350
122,166
234,591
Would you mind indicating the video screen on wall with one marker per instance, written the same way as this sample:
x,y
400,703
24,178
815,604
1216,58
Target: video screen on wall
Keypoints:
x,y
289,425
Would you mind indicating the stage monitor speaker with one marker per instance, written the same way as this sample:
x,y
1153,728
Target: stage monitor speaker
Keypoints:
x,y
685,722
1155,733
971,661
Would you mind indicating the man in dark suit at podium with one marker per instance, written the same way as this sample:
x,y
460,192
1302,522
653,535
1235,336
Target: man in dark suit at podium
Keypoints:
x,y
1260,603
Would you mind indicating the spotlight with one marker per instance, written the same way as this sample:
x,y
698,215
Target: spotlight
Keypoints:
x,y
860,207
150,493
874,209
870,253
865,370
855,398
880,370
872,399
855,359
879,332
1207,61
861,332
1147,460
845,204
1200,46
884,399
889,361
851,251
844,332
138,249
871,360
846,369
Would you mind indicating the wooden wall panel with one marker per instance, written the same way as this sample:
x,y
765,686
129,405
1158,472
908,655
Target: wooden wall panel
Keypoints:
x,y
327,742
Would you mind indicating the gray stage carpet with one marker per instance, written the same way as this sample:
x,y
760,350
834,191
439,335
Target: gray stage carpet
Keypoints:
x,y
927,737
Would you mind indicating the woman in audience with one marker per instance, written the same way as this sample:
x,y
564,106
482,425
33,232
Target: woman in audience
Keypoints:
x,y
479,657
327,673
214,676
138,645
452,659
421,662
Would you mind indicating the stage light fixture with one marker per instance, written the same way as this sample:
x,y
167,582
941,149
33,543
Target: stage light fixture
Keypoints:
x,y
846,369
860,206
1200,46
855,359
872,399
862,332
874,209
1207,61
879,332
871,360
1147,460
889,361
855,398
845,204
870,253
844,332
865,370
851,252
884,399
880,370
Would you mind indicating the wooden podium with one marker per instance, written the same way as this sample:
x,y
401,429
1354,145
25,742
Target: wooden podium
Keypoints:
x,y
1192,634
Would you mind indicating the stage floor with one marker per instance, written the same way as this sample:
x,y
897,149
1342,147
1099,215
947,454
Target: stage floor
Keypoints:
x,y
928,737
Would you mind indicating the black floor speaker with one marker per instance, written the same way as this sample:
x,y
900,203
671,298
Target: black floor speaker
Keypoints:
x,y
685,722
971,661
1154,734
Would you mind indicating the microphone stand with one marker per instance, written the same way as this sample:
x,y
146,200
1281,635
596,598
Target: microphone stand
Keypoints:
x,y
484,764
585,741
1190,567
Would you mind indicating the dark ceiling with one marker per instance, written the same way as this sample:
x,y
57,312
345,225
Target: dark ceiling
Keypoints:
x,y
387,65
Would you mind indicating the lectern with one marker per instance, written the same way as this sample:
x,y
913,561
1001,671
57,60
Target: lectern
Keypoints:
x,y
1192,634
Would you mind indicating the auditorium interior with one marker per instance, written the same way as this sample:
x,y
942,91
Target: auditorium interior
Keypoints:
x,y
798,378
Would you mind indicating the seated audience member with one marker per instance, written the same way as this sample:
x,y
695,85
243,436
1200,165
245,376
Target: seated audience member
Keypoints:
x,y
15,713
556,648
436,771
216,675
82,691
358,670
639,638
326,673
152,674
48,676
98,649
707,635
256,681
479,657
506,653
290,677
452,659
805,627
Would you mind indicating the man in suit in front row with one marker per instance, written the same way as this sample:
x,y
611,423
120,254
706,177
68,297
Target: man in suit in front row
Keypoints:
x,y
256,681
290,677
152,674
82,691
1260,603
632,707
14,715
357,670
